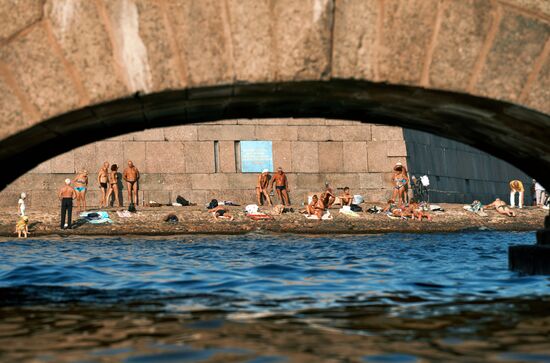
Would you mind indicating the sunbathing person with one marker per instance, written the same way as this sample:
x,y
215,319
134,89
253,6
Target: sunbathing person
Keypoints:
x,y
310,209
394,210
262,187
320,206
329,198
400,180
220,212
419,211
501,208
80,186
346,198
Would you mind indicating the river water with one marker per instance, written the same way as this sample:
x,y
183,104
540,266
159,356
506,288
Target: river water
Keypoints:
x,y
266,299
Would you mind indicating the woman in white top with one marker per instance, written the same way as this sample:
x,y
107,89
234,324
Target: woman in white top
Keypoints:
x,y
539,192
21,204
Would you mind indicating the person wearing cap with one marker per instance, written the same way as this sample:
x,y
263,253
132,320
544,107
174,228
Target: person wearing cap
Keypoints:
x,y
516,186
401,180
262,187
66,195
281,185
22,227
81,184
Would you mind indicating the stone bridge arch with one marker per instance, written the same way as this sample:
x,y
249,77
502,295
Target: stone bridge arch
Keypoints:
x,y
75,71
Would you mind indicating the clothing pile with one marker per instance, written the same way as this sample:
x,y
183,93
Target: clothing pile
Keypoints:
x,y
98,217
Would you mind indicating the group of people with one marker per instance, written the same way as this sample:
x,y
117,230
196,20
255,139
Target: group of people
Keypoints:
x,y
108,182
318,205
264,187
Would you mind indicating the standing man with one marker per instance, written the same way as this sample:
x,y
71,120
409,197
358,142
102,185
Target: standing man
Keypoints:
x,y
66,195
262,187
131,175
103,180
516,186
281,186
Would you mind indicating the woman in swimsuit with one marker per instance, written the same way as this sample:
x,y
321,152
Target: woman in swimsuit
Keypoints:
x,y
501,208
103,180
113,185
81,184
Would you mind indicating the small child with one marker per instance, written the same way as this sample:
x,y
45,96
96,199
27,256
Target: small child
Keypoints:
x,y
22,227
21,204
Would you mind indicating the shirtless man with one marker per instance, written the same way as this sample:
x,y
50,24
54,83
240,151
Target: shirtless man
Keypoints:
x,y
346,198
103,180
501,208
66,195
281,185
329,196
262,187
131,175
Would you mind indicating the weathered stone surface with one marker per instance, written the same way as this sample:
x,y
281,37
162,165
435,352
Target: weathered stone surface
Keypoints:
x,y
203,40
512,56
199,157
65,163
227,157
355,157
464,27
309,160
240,181
355,53
302,35
165,157
209,181
276,133
136,151
250,26
150,135
539,95
40,73
282,155
407,31
44,167
350,133
86,157
312,182
313,133
371,181
331,157
386,133
181,133
397,148
377,156
21,14
13,116
532,5
159,196
110,151
163,61
227,132
78,29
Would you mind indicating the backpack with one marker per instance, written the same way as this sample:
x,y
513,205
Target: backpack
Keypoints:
x,y
181,200
356,208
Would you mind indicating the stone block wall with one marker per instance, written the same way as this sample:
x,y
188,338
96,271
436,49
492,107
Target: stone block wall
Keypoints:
x,y
180,160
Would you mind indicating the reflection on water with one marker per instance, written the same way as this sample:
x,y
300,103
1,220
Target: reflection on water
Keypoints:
x,y
386,298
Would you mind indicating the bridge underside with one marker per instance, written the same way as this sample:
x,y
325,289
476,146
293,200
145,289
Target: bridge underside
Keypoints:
x,y
510,132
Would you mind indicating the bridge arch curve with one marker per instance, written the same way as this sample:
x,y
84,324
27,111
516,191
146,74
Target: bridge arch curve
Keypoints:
x,y
476,71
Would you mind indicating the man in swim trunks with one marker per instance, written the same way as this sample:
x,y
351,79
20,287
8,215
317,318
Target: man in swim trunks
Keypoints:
x,y
103,180
66,195
262,187
131,175
501,208
346,198
281,186
516,186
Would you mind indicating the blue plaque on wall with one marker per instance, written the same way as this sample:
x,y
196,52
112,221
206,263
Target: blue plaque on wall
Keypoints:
x,y
256,156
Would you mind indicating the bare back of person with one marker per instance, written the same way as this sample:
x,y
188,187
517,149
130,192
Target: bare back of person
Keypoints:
x,y
67,191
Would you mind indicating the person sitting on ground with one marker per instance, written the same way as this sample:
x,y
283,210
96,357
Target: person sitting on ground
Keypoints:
x,y
81,184
346,198
501,208
262,187
21,204
103,180
320,206
281,186
218,211
516,186
310,208
22,227
329,197
419,211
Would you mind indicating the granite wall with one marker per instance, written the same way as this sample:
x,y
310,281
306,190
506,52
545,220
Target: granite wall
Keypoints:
x,y
459,173
181,161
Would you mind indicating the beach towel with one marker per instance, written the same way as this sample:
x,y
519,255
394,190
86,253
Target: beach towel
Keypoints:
x,y
98,217
251,208
258,216
326,216
348,212
124,213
